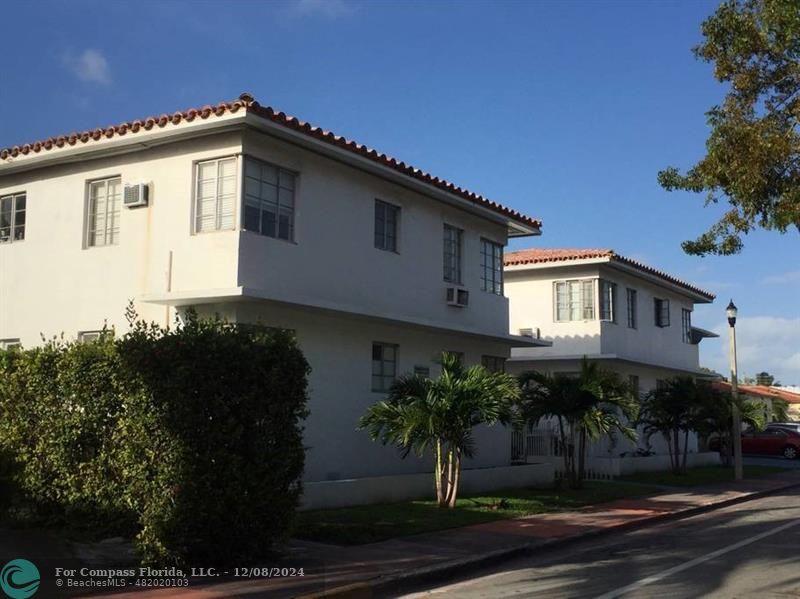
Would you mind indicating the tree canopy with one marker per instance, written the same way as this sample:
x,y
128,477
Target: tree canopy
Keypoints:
x,y
752,156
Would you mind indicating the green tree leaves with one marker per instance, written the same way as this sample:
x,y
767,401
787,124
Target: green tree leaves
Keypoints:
x,y
752,156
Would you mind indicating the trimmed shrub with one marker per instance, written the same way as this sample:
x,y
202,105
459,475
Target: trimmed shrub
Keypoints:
x,y
192,436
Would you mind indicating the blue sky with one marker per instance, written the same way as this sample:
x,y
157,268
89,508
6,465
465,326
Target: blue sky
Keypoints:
x,y
563,110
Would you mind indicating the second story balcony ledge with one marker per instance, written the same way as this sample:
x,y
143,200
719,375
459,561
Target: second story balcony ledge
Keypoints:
x,y
197,297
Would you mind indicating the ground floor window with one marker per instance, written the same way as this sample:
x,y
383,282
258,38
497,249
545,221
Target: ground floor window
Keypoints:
x,y
384,366
493,363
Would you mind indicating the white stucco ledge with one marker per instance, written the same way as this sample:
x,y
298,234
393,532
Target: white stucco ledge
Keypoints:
x,y
389,489
521,355
248,294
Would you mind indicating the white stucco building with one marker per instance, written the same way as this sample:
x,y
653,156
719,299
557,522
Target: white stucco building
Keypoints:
x,y
634,319
251,214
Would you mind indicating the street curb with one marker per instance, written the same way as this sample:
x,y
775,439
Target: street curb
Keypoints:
x,y
453,567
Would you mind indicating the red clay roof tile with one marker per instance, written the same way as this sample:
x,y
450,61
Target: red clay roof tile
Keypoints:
x,y
247,102
543,255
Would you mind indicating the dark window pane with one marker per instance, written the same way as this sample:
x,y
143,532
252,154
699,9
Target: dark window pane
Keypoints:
x,y
268,222
251,218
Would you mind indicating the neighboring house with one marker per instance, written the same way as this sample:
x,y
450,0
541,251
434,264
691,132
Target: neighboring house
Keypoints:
x,y
240,211
767,396
634,319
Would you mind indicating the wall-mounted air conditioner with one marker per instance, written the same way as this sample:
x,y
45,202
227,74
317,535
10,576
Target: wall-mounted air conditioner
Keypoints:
x,y
457,296
135,195
535,333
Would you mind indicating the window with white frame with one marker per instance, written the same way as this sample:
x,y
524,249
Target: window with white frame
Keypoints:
x,y
574,300
608,300
215,195
12,217
491,267
9,344
268,199
384,366
686,325
387,221
89,336
104,207
453,238
494,363
633,308
661,311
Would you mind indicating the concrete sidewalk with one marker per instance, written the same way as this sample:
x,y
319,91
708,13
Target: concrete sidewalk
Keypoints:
x,y
360,570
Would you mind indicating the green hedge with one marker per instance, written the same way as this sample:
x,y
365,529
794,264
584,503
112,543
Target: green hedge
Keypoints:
x,y
191,435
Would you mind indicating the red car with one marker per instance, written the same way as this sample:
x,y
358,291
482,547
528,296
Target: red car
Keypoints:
x,y
773,440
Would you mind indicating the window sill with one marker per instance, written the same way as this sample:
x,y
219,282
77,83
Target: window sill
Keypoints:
x,y
260,236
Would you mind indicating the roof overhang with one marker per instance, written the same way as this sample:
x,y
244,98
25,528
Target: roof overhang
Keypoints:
x,y
610,262
699,334
124,144
264,125
198,297
519,355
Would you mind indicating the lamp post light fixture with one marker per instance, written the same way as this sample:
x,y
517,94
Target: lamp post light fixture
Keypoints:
x,y
736,440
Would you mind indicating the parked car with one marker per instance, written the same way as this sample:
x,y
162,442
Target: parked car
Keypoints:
x,y
773,440
793,426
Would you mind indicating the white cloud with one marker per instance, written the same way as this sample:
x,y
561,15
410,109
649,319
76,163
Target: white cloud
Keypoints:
x,y
762,343
792,276
326,8
90,65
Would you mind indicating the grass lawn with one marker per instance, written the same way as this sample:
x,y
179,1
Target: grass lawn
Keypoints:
x,y
699,476
370,523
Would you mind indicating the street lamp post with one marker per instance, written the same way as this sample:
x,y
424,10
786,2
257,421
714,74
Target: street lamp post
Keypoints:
x,y
731,312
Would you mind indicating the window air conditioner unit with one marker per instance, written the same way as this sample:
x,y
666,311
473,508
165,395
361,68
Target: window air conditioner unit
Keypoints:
x,y
135,195
456,296
535,333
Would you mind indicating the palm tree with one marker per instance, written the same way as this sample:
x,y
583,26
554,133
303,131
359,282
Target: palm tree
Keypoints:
x,y
672,410
594,404
715,417
423,415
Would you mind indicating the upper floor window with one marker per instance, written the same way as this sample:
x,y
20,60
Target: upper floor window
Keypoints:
x,y
105,203
686,325
89,336
268,199
215,195
491,267
661,309
608,301
9,344
12,218
453,239
387,220
384,366
574,300
493,363
633,308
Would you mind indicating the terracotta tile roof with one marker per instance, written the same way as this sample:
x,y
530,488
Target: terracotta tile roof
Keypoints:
x,y
762,391
544,255
248,103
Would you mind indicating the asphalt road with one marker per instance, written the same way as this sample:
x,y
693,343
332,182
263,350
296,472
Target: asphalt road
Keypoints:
x,y
748,550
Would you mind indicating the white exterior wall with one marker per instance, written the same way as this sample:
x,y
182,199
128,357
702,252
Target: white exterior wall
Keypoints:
x,y
333,258
532,304
648,343
531,294
339,350
51,284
